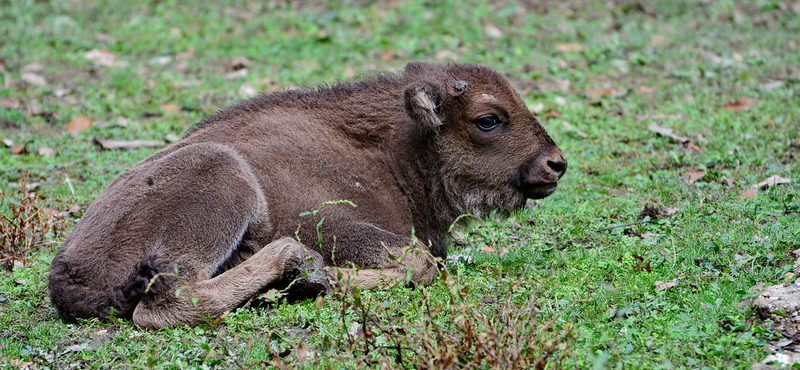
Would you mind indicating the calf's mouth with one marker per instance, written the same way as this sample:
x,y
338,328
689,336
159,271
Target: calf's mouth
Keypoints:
x,y
538,191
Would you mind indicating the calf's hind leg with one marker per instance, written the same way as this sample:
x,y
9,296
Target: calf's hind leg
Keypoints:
x,y
202,199
199,301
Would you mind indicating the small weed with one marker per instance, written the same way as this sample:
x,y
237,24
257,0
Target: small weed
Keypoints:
x,y
26,226
445,329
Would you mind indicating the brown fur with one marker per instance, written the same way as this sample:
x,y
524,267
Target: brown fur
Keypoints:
x,y
200,227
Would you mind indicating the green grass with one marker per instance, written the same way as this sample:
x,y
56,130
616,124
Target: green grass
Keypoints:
x,y
596,288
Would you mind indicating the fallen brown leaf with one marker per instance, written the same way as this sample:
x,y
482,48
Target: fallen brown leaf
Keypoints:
x,y
772,181
237,74
103,58
595,93
170,108
692,147
20,364
664,285
663,131
55,212
645,90
47,152
493,31
121,144
552,113
772,85
34,108
570,128
10,103
18,149
78,124
239,62
749,193
387,55
694,175
741,104
570,47
642,266
487,248
659,116
34,78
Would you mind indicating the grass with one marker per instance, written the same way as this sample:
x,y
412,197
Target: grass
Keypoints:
x,y
544,276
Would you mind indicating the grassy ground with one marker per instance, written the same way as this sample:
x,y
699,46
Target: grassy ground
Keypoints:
x,y
660,294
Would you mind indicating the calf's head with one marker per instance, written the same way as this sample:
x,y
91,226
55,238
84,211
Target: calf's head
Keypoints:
x,y
493,151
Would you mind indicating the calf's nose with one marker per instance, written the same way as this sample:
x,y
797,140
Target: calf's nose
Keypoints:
x,y
559,166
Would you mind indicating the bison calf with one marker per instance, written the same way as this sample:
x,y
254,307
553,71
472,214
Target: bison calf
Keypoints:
x,y
202,226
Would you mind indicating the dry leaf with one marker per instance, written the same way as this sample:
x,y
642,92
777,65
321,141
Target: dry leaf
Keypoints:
x,y
446,54
563,84
34,108
659,116
569,127
487,248
570,47
236,74
387,55
19,364
170,108
492,31
662,285
694,175
9,103
552,113
121,144
642,266
33,78
599,91
103,58
47,152
78,124
74,348
691,147
772,85
645,90
699,138
248,89
749,193
742,104
239,62
667,132
772,181
537,108
18,149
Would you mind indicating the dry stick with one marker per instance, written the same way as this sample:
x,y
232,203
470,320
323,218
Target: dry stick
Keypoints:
x,y
619,226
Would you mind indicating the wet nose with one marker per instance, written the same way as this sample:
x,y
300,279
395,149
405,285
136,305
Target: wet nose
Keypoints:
x,y
558,166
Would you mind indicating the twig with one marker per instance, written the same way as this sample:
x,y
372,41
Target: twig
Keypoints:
x,y
619,226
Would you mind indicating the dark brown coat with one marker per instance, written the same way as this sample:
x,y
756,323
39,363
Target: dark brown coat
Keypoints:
x,y
217,216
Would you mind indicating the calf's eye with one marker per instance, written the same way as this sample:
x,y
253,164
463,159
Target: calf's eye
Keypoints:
x,y
487,123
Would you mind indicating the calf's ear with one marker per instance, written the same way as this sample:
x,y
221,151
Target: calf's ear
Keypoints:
x,y
423,102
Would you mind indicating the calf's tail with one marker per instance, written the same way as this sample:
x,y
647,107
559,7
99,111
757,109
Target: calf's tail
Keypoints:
x,y
75,299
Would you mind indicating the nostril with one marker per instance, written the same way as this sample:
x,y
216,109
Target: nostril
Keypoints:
x,y
558,166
